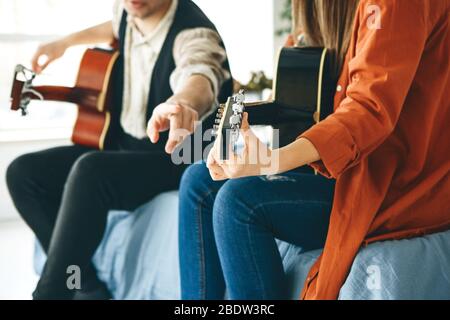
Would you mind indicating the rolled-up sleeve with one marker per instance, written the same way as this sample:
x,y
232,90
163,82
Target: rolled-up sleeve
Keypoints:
x,y
381,72
117,13
199,51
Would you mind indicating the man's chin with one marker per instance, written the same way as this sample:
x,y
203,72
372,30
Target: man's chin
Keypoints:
x,y
137,15
140,14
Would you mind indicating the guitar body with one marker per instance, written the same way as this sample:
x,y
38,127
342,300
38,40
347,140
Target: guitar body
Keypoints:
x,y
93,93
303,89
93,124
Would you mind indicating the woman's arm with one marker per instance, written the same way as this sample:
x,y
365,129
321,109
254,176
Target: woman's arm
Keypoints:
x,y
257,159
297,154
382,68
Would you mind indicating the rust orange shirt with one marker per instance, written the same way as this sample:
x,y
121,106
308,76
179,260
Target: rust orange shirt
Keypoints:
x,y
388,142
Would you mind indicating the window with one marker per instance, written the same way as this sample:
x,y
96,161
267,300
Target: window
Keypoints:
x,y
246,26
23,25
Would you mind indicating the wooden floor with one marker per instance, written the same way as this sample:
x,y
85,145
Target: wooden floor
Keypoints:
x,y
17,277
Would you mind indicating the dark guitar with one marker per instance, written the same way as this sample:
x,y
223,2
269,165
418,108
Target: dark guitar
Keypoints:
x,y
303,92
93,93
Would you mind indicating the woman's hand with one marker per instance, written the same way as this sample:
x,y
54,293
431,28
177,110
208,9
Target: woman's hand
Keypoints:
x,y
51,51
255,159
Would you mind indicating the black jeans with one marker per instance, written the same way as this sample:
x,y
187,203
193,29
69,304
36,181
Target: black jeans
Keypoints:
x,y
65,193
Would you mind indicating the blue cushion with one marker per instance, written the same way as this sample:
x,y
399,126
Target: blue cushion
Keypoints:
x,y
138,259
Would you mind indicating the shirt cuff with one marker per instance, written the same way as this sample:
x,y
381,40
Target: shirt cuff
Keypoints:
x,y
335,145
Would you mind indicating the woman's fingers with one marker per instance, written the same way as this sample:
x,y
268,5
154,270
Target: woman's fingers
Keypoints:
x,y
215,169
236,163
245,125
217,173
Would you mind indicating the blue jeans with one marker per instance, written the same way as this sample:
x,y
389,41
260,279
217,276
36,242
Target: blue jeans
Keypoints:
x,y
228,230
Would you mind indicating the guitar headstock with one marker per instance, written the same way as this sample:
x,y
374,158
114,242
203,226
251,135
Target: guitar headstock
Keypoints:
x,y
228,123
22,89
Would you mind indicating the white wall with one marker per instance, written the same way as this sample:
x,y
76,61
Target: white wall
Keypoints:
x,y
278,24
247,29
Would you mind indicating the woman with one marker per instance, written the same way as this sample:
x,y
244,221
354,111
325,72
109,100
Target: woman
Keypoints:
x,y
385,149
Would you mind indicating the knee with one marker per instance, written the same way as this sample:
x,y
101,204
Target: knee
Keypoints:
x,y
232,204
195,192
19,172
196,181
87,168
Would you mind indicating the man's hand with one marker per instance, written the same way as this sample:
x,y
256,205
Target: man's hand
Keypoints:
x,y
51,51
102,33
179,118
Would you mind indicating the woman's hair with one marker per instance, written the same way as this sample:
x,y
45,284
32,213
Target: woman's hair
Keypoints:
x,y
326,23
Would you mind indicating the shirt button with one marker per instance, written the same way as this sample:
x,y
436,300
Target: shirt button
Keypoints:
x,y
339,88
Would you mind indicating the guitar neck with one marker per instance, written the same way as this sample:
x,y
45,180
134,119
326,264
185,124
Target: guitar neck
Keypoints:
x,y
272,113
81,96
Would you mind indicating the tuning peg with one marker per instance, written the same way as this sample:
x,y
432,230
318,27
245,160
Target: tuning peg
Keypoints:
x,y
215,131
235,120
217,121
19,68
240,97
239,108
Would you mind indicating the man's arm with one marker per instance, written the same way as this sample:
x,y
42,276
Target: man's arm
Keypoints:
x,y
197,93
196,82
102,33
180,113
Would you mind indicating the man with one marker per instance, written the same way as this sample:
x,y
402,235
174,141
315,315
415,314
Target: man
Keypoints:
x,y
174,69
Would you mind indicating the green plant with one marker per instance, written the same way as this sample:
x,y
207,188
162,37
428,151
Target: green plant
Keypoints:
x,y
286,17
258,82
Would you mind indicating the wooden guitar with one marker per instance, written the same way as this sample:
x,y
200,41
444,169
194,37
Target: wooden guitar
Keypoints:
x,y
93,93
303,92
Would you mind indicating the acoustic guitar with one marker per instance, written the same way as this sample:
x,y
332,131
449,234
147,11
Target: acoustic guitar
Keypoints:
x,y
303,92
93,94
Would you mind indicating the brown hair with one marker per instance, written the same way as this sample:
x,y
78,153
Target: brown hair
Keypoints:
x,y
326,23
